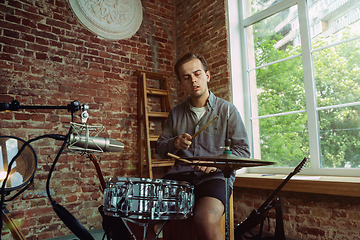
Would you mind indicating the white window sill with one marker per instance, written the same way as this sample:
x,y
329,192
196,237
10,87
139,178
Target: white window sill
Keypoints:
x,y
342,186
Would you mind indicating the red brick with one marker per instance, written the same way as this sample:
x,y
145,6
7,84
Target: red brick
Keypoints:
x,y
57,31
42,56
59,24
12,42
94,46
12,18
29,15
37,212
70,40
93,59
29,8
60,3
15,4
10,33
56,59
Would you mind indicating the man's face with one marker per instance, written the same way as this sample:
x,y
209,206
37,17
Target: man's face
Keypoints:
x,y
194,79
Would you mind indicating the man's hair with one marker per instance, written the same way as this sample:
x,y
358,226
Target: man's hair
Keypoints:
x,y
187,58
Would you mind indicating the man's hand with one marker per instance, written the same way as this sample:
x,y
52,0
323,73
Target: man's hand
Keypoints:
x,y
183,141
204,169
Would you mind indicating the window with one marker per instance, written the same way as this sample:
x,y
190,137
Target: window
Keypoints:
x,y
300,79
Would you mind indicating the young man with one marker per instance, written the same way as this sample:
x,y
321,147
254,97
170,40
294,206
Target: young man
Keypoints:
x,y
185,120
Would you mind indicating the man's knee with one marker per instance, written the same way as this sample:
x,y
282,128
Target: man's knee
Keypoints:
x,y
208,211
206,220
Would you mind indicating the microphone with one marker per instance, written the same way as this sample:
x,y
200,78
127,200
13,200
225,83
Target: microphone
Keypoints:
x,y
90,142
80,142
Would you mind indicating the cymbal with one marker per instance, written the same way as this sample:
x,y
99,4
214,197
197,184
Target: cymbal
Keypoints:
x,y
227,163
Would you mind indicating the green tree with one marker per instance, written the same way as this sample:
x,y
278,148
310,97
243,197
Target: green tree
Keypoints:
x,y
281,89
337,77
284,139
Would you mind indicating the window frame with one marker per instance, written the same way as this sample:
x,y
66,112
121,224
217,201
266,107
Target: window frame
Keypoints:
x,y
239,67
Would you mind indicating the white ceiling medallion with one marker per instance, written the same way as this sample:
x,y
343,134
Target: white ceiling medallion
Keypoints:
x,y
109,19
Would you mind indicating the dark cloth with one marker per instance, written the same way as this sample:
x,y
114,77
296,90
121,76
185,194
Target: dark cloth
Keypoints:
x,y
213,188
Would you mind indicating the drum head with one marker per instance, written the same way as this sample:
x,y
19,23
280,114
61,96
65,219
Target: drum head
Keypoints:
x,y
24,166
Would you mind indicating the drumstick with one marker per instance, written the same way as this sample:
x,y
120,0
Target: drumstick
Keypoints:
x,y
204,127
177,157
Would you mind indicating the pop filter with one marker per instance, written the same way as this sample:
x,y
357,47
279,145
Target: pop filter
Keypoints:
x,y
23,167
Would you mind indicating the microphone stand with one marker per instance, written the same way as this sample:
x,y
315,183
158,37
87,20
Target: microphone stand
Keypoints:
x,y
69,220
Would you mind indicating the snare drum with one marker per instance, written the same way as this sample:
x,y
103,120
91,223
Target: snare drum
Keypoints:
x,y
144,198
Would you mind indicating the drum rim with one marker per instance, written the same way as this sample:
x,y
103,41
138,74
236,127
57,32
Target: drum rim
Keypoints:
x,y
149,180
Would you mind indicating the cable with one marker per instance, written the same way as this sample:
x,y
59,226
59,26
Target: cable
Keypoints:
x,y
66,138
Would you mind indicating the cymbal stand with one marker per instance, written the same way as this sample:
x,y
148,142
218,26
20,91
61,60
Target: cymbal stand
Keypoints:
x,y
227,203
227,172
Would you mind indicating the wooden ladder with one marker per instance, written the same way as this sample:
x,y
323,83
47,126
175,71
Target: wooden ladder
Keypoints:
x,y
158,90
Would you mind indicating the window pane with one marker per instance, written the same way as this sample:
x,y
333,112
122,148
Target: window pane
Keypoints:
x,y
329,19
274,38
283,139
337,74
340,137
280,87
254,6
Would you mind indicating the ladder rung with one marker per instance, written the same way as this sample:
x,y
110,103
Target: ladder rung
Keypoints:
x,y
156,91
151,75
158,114
154,138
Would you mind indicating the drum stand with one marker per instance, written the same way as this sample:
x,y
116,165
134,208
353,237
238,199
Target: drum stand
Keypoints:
x,y
144,225
141,224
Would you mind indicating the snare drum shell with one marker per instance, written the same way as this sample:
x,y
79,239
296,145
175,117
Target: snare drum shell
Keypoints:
x,y
145,198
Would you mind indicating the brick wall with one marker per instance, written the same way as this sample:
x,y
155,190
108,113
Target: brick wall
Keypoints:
x,y
201,28
48,58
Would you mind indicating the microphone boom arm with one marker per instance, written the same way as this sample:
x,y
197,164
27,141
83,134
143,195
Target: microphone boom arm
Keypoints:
x,y
15,106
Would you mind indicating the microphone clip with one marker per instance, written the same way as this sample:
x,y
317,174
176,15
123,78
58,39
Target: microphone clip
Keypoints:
x,y
84,115
77,138
84,138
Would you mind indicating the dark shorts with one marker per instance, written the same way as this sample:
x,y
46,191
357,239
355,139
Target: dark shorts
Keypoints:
x,y
211,188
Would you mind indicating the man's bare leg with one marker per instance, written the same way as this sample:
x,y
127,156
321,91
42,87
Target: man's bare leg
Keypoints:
x,y
207,216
